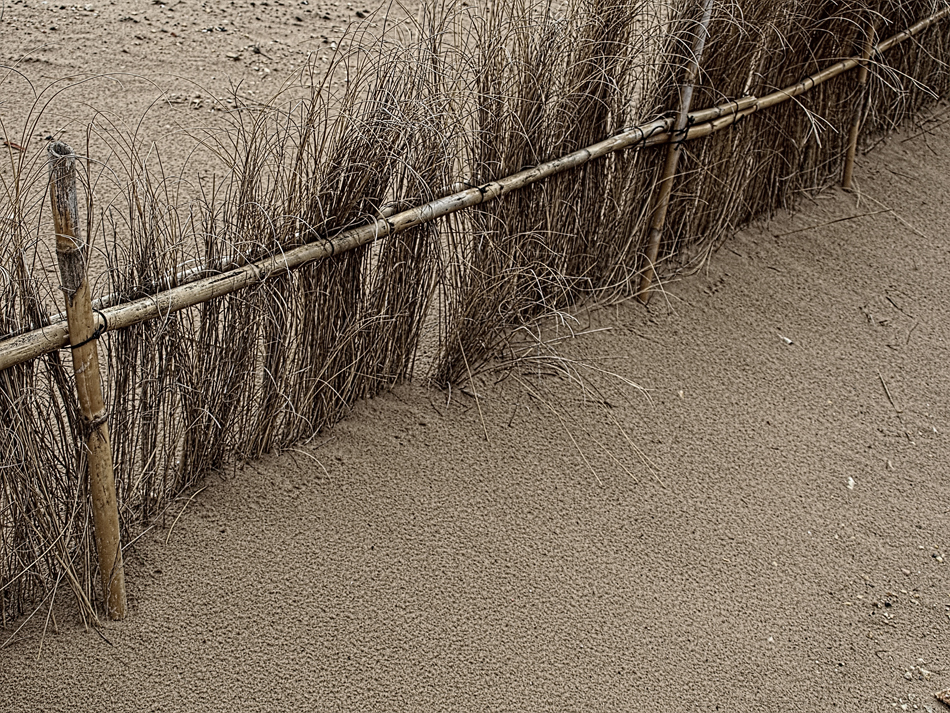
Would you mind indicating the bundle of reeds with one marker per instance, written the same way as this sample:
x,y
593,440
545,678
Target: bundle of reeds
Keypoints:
x,y
45,528
477,93
548,85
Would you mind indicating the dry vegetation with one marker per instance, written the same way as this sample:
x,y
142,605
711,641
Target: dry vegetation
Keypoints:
x,y
475,93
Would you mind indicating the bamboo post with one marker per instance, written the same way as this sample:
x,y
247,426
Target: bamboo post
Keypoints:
x,y
680,129
83,336
859,110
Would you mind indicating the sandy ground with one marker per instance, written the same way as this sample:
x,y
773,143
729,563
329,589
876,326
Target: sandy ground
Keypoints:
x,y
105,76
763,527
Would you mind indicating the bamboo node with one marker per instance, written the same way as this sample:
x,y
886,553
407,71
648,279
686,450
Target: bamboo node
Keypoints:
x,y
74,247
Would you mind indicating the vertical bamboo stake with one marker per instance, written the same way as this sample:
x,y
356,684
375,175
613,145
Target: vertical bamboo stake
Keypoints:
x,y
859,110
71,253
673,155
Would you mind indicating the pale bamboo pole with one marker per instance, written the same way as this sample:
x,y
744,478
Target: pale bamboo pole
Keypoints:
x,y
913,30
83,335
859,110
22,347
191,284
680,128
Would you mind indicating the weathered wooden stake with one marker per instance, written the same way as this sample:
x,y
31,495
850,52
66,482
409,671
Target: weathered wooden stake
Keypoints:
x,y
71,253
680,129
859,110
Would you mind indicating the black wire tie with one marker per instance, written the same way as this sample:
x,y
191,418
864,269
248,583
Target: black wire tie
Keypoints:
x,y
683,133
100,330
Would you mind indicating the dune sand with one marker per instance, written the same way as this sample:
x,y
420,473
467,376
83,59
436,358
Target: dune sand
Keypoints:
x,y
762,526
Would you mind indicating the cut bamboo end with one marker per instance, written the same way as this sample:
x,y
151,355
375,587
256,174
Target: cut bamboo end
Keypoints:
x,y
83,336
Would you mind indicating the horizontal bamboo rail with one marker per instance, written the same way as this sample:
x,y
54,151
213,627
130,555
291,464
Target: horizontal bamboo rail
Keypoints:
x,y
183,275
30,345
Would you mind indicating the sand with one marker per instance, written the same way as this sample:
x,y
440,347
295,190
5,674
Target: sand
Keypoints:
x,y
761,526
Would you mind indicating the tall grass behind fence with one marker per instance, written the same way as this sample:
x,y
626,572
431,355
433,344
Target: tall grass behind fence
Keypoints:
x,y
241,375
41,465
263,368
478,93
771,157
547,87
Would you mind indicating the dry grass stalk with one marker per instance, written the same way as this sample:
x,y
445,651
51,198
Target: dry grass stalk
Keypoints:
x,y
848,173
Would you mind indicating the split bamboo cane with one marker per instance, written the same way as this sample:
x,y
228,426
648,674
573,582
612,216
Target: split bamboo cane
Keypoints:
x,y
680,128
859,110
83,336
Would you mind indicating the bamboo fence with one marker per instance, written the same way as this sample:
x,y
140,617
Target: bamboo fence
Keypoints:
x,y
507,250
